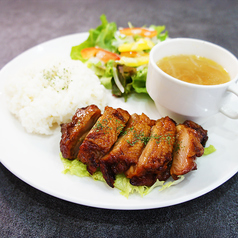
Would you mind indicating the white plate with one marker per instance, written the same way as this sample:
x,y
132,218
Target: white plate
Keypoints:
x,y
35,159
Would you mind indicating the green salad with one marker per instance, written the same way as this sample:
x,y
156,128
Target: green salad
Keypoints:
x,y
119,57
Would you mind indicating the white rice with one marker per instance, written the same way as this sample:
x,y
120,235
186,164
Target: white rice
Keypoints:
x,y
48,94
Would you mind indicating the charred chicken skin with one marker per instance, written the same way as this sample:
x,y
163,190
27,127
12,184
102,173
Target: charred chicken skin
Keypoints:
x,y
74,132
201,133
127,149
102,137
143,149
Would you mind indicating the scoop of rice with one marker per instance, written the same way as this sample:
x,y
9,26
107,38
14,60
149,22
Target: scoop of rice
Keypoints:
x,y
48,94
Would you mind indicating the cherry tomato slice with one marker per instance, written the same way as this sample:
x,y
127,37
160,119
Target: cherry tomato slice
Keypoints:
x,y
100,53
138,31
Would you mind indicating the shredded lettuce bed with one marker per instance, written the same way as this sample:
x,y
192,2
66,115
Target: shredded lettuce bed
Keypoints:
x,y
75,167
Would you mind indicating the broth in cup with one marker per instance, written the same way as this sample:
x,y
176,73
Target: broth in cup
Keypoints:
x,y
194,69
183,100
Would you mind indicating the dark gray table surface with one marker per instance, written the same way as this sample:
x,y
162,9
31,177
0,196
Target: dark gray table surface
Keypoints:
x,y
28,212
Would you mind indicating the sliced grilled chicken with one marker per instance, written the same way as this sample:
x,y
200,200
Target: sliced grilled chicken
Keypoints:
x,y
157,154
188,147
74,132
102,137
127,149
144,149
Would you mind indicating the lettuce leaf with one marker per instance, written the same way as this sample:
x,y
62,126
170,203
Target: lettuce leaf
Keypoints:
x,y
75,167
102,36
160,34
139,80
208,150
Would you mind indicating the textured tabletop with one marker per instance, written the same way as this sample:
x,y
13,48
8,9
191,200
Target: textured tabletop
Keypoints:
x,y
28,212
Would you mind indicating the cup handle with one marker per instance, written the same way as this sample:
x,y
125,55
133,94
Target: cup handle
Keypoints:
x,y
227,111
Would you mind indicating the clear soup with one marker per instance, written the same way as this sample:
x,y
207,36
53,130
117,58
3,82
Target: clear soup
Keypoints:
x,y
194,69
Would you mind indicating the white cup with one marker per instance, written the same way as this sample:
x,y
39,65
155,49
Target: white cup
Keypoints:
x,y
181,100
